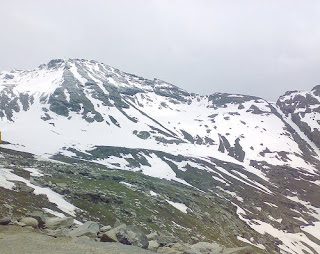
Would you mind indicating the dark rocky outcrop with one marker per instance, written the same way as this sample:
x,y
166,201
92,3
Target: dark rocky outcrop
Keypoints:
x,y
132,236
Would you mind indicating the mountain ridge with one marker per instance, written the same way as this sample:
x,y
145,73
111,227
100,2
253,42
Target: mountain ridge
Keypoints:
x,y
237,147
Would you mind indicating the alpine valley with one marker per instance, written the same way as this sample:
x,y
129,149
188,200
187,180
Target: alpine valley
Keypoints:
x,y
85,140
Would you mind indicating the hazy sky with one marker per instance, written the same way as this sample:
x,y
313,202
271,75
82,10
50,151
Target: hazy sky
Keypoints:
x,y
256,47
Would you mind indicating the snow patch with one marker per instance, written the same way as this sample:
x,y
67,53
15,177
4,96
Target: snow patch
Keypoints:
x,y
180,206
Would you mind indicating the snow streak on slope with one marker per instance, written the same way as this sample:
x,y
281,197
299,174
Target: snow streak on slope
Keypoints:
x,y
7,176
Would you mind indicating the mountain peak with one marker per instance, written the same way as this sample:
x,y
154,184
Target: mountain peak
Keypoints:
x,y
316,88
56,63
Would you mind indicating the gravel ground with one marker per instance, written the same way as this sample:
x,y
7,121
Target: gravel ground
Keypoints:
x,y
18,240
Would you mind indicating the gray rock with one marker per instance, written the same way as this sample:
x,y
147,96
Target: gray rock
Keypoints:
x,y
89,228
40,216
19,223
165,240
111,235
55,222
21,186
194,239
29,221
152,236
35,182
132,236
205,247
153,245
5,221
105,228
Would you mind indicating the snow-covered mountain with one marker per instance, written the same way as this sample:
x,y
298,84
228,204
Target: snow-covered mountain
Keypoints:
x,y
262,157
303,108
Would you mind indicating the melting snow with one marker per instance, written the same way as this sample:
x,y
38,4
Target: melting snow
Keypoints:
x,y
259,245
152,193
34,171
291,242
180,206
6,176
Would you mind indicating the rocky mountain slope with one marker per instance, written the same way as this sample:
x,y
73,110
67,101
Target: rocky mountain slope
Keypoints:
x,y
233,168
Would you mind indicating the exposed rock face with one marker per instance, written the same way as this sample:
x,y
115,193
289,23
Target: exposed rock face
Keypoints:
x,y
55,222
153,245
132,236
111,235
29,221
89,228
21,186
40,216
105,228
152,236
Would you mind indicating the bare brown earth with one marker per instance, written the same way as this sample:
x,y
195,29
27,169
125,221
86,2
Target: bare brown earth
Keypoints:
x,y
18,240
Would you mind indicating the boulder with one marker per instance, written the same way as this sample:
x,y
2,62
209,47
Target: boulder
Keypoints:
x,y
205,247
105,228
165,240
153,245
152,236
89,228
20,224
55,222
111,235
5,221
132,236
29,221
21,186
194,239
40,216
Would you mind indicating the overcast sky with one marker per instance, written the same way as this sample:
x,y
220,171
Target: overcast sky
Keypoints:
x,y
255,47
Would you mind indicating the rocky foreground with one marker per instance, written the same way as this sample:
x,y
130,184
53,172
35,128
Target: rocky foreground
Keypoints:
x,y
38,232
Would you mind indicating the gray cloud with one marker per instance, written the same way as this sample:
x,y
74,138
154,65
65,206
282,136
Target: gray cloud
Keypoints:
x,y
252,47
